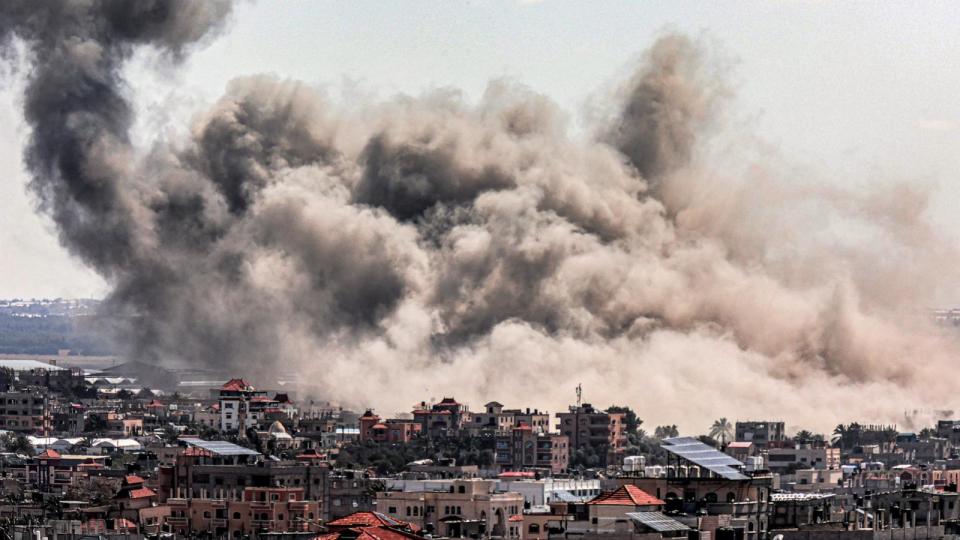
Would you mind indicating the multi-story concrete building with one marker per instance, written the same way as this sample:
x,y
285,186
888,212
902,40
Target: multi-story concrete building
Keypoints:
x,y
743,500
235,398
538,420
443,419
523,448
586,427
535,492
499,421
254,510
780,460
391,430
761,433
26,411
470,507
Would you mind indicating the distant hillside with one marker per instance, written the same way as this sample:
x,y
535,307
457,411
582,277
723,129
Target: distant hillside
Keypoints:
x,y
45,326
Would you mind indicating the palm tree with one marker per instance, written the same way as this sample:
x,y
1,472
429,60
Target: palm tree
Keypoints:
x,y
721,430
803,436
839,436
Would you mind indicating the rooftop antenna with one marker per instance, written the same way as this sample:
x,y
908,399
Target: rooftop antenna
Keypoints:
x,y
579,393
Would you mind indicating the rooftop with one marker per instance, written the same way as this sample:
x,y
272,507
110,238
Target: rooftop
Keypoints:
x,y
221,448
27,365
628,495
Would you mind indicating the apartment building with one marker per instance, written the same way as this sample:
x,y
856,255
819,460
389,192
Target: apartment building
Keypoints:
x,y
586,427
524,448
761,433
256,510
781,460
470,507
442,419
26,411
391,430
242,406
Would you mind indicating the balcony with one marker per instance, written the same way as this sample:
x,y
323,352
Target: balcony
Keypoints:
x,y
736,509
267,524
177,521
218,522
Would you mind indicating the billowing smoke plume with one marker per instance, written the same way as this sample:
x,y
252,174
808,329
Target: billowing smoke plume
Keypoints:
x,y
423,246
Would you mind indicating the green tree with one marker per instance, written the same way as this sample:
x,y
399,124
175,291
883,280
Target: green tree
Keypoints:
x,y
18,444
721,430
804,437
666,432
631,421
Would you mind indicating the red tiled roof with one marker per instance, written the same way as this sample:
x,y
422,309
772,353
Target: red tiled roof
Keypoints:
x,y
49,453
384,533
421,411
379,426
628,495
368,519
142,493
514,518
132,479
235,385
194,451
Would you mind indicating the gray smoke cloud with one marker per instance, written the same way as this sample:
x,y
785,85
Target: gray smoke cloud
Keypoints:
x,y
420,246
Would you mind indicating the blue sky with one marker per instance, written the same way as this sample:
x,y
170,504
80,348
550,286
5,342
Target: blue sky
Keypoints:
x,y
854,92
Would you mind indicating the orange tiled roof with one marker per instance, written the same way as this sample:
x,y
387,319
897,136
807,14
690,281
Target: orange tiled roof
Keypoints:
x,y
142,493
132,479
235,385
384,533
627,495
514,518
368,519
49,453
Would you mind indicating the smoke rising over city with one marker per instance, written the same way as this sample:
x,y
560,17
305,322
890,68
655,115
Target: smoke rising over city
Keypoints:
x,y
386,252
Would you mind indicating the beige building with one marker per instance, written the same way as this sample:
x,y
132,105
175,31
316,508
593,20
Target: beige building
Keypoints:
x,y
469,507
803,457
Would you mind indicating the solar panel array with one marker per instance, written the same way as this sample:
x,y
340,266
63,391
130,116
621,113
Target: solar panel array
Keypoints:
x,y
705,456
222,448
657,521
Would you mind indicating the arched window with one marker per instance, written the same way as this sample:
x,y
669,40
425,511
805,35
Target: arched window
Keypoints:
x,y
731,497
710,498
534,528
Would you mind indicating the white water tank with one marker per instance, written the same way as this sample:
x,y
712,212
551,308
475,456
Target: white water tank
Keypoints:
x,y
633,463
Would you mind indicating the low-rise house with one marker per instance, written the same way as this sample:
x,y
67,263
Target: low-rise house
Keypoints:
x,y
608,511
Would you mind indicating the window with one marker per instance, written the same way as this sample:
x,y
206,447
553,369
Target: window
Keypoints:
x,y
206,515
236,515
392,510
462,489
408,512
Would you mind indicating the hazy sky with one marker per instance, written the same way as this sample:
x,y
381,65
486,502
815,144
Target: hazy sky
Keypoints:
x,y
853,92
